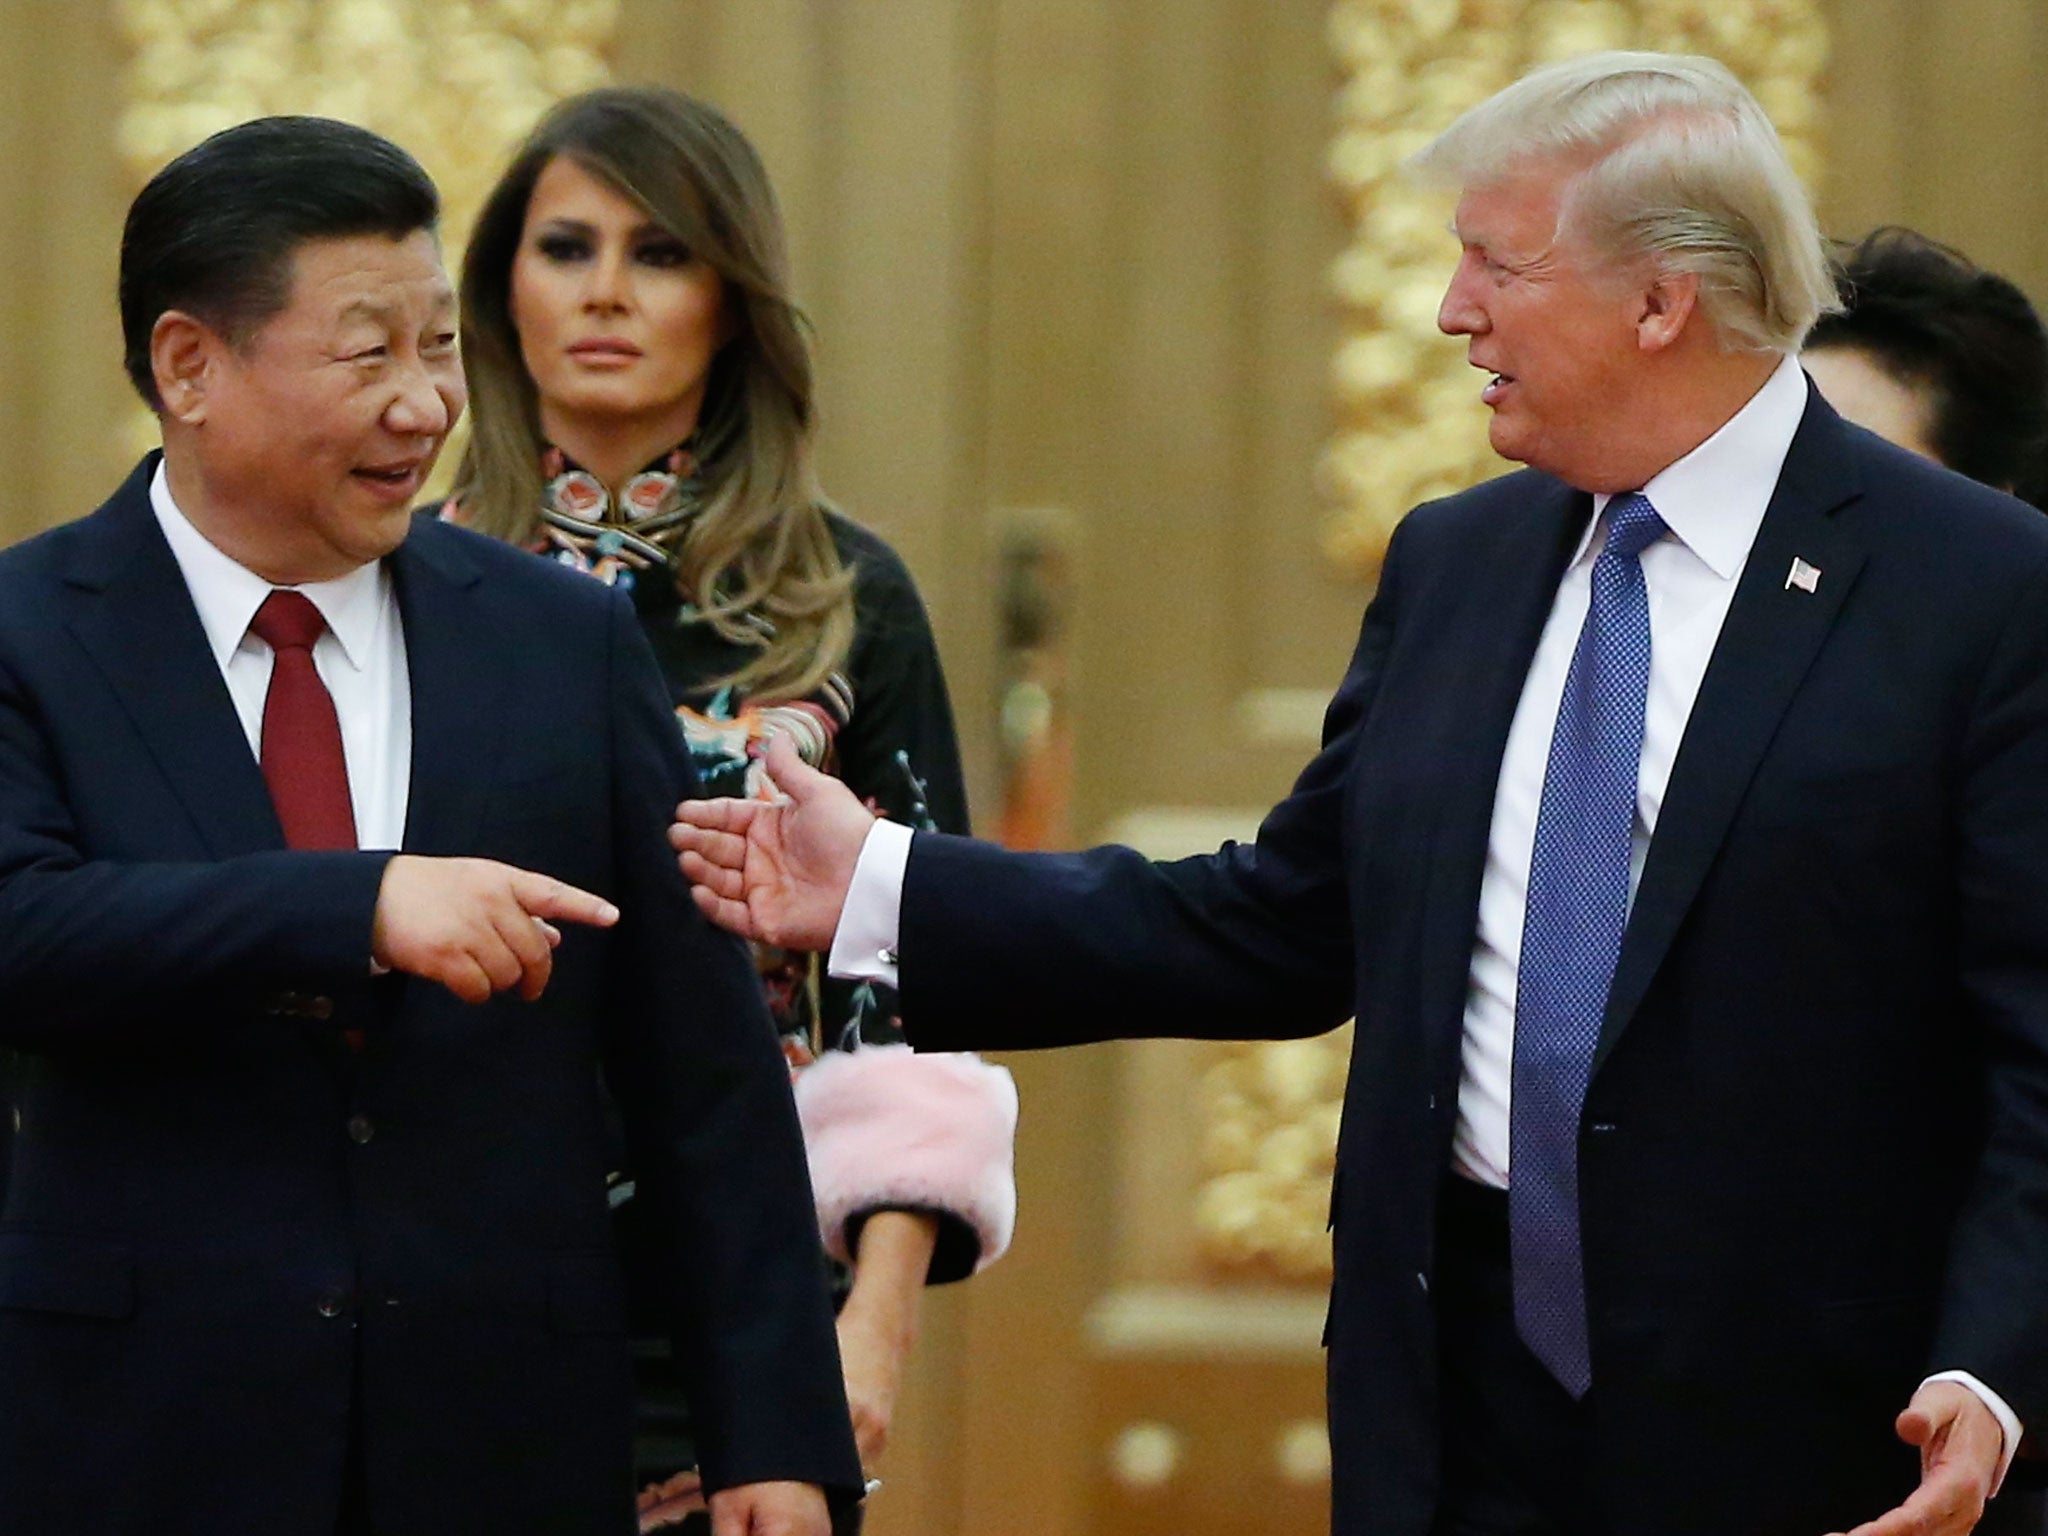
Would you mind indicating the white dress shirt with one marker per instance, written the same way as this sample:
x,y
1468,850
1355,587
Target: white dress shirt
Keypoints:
x,y
1713,502
361,659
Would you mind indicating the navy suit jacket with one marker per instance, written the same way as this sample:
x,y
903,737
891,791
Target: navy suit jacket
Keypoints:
x,y
1814,1153
224,1228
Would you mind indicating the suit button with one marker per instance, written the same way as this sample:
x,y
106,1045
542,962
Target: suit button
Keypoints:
x,y
360,1129
1422,1282
319,1008
331,1306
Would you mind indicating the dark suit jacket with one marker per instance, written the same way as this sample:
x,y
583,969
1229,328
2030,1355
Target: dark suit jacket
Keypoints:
x,y
223,1226
1814,1158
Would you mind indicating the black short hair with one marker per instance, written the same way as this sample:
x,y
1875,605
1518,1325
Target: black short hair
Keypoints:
x,y
1934,320
214,232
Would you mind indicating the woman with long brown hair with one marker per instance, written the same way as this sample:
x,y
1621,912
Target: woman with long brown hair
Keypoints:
x,y
641,407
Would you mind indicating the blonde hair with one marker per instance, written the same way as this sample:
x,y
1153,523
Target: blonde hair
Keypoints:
x,y
1684,167
761,545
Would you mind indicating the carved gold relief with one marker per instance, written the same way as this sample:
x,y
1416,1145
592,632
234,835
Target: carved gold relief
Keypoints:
x,y
457,82
1410,425
1269,1117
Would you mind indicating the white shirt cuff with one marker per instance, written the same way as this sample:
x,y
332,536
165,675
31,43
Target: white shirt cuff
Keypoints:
x,y
864,944
2007,1419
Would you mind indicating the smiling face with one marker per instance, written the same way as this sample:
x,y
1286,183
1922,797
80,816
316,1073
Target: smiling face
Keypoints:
x,y
618,321
301,448
1556,328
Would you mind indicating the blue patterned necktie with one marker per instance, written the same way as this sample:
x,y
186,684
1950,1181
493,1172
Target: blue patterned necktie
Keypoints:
x,y
1571,938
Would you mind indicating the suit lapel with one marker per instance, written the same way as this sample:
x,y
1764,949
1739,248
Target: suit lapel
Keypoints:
x,y
134,615
459,697
1508,593
1773,632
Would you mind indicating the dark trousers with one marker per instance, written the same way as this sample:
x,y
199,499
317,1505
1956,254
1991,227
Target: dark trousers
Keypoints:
x,y
1516,1446
355,1479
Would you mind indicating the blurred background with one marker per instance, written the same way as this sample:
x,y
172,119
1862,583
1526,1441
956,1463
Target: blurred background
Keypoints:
x,y
1125,331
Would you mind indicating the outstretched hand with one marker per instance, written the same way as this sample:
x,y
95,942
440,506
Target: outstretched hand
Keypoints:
x,y
775,871
1961,1444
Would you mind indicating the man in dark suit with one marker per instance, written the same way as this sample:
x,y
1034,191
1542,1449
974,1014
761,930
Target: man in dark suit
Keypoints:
x,y
331,874
1680,843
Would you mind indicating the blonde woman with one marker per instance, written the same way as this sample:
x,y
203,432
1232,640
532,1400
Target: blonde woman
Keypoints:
x,y
641,406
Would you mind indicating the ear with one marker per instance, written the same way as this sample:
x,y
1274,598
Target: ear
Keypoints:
x,y
185,354
1664,307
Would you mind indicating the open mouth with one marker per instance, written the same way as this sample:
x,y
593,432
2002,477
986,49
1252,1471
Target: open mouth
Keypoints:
x,y
1496,387
395,479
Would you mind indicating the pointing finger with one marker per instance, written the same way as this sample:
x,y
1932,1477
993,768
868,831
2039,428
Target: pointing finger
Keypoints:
x,y
547,897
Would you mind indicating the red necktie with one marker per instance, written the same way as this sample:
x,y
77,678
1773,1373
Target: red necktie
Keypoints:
x,y
302,757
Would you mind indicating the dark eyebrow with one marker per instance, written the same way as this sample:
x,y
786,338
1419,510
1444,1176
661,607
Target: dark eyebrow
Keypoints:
x,y
386,315
562,224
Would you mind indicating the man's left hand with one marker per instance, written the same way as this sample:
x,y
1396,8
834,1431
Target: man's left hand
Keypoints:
x,y
770,1509
1961,1445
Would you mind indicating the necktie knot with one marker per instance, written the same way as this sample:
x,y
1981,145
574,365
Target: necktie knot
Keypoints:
x,y
288,621
1632,525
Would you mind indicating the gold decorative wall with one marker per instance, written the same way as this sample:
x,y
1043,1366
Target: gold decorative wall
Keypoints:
x,y
1269,1142
457,82
1410,425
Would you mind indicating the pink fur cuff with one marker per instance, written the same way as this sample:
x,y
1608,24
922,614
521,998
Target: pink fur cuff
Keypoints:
x,y
887,1128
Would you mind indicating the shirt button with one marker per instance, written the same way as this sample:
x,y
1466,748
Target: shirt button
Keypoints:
x,y
360,1129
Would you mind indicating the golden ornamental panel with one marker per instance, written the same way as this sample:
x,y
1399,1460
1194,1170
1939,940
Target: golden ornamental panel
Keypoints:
x,y
1410,426
457,82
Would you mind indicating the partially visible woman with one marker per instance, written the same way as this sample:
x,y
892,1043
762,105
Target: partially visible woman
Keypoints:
x,y
640,392
1940,356
1937,355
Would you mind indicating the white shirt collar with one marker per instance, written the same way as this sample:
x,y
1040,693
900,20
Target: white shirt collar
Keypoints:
x,y
1713,500
227,593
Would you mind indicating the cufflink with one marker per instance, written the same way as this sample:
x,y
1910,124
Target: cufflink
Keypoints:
x,y
886,954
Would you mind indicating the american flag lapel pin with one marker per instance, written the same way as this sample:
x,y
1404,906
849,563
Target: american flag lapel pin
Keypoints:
x,y
1803,576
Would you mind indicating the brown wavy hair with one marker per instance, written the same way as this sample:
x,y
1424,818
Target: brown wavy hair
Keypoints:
x,y
761,545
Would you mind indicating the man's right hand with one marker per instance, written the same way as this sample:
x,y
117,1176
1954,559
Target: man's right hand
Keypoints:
x,y
775,871
476,926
